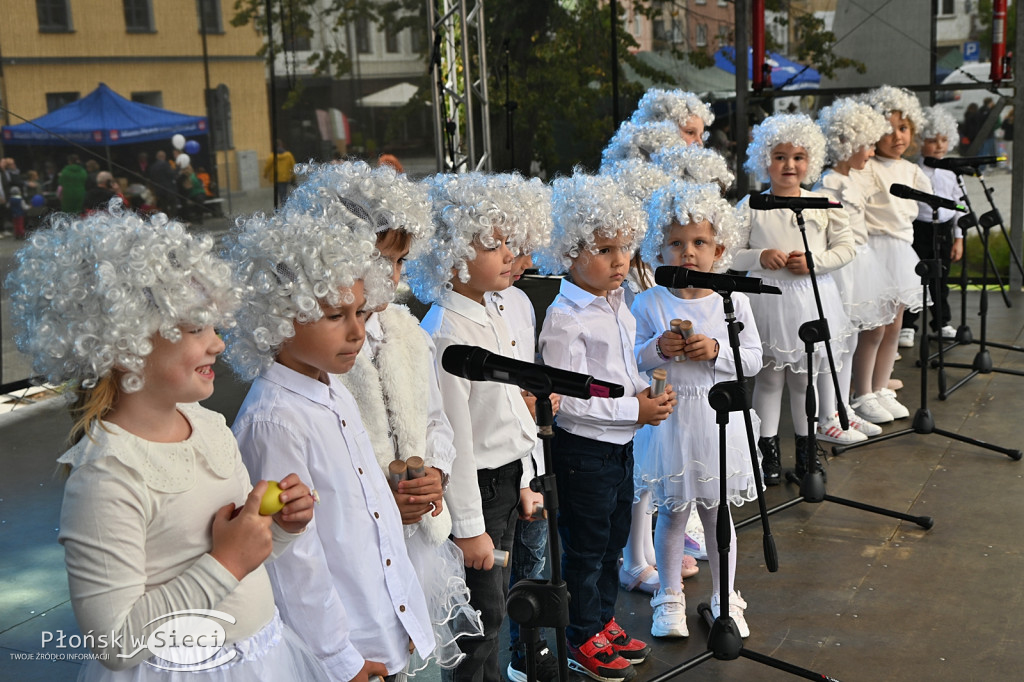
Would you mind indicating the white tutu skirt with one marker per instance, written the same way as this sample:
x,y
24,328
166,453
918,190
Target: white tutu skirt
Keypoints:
x,y
861,285
678,461
273,653
897,259
442,574
779,318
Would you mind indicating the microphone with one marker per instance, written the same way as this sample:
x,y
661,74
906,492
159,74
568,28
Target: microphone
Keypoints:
x,y
675,277
904,192
766,202
962,165
478,364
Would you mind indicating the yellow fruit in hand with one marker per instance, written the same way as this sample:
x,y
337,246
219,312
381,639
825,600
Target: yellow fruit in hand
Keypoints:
x,y
271,502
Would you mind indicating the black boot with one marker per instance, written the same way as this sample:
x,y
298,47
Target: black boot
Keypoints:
x,y
803,458
771,466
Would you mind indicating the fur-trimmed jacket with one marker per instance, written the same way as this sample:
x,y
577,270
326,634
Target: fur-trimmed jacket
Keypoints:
x,y
392,391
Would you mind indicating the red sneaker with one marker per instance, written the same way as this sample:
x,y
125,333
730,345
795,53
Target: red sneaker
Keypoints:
x,y
596,658
633,650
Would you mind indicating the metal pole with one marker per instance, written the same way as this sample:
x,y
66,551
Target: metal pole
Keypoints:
x,y
614,4
273,97
740,131
1017,198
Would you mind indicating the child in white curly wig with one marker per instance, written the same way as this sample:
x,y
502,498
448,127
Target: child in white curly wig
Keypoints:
x,y
589,329
788,150
124,311
394,383
477,218
685,109
852,128
308,287
889,222
691,226
639,141
935,137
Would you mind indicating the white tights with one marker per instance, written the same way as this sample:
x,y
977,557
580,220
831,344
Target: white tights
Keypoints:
x,y
876,356
639,550
768,399
670,545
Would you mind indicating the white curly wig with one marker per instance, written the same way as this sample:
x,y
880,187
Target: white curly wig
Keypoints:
x,y
467,209
358,197
938,121
683,202
639,141
849,126
638,178
695,164
584,207
87,295
795,129
887,99
533,199
286,265
677,106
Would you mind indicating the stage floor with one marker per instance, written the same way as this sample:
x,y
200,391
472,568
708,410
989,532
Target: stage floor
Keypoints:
x,y
857,596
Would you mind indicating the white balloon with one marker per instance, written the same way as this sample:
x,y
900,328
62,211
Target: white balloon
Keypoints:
x,y
183,161
178,141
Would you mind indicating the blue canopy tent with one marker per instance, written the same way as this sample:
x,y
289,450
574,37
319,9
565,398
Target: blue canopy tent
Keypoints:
x,y
103,118
785,73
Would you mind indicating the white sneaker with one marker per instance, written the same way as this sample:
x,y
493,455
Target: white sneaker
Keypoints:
x,y
832,432
948,332
869,409
865,427
906,339
669,614
695,545
887,399
736,606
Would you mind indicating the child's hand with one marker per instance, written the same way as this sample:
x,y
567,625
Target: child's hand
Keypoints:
x,y
418,496
528,500
241,544
773,259
371,669
298,508
797,263
655,410
556,402
477,552
531,403
671,344
957,252
700,347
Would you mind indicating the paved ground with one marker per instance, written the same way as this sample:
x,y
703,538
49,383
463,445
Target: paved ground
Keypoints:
x,y
857,596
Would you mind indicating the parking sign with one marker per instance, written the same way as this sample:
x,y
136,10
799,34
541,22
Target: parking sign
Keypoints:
x,y
972,50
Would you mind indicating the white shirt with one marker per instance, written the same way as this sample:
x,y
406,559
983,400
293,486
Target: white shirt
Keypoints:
x,y
594,335
885,214
944,184
516,308
488,418
347,585
828,236
847,192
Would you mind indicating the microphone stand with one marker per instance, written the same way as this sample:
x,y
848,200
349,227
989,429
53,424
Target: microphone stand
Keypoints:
x,y
812,485
536,604
982,363
924,422
724,641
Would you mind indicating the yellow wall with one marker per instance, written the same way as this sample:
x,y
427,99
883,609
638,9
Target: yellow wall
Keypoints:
x,y
168,61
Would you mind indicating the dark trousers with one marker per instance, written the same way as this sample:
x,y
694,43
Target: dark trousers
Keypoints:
x,y
940,312
529,556
595,496
488,590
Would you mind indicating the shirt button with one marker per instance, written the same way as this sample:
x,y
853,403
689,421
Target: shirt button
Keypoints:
x,y
343,423
501,307
513,342
376,515
402,608
388,562
360,469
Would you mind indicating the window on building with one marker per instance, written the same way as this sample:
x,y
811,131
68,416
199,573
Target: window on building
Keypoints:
x,y
154,98
702,35
363,36
702,2
658,31
55,100
722,3
208,12
944,7
54,15
296,38
391,40
418,38
138,16
723,34
637,26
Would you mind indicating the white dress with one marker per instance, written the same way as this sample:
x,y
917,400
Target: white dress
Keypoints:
x,y
678,460
136,529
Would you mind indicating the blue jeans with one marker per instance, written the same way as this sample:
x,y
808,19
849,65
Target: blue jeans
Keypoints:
x,y
488,590
595,496
529,550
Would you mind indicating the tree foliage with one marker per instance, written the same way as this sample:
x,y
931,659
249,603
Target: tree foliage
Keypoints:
x,y
985,20
812,44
